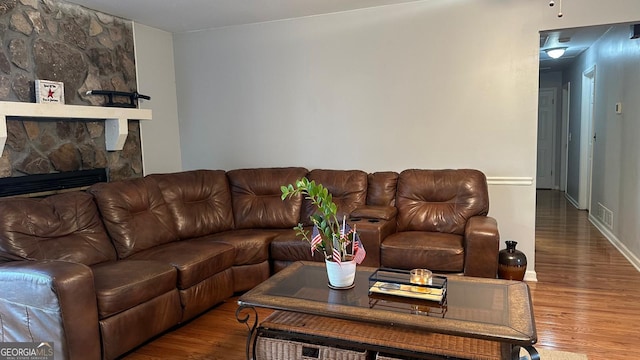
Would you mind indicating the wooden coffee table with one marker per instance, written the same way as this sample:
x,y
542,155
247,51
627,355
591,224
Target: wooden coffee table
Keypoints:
x,y
477,312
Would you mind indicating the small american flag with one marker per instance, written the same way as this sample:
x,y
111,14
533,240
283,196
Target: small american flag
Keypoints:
x,y
359,252
337,251
336,255
316,239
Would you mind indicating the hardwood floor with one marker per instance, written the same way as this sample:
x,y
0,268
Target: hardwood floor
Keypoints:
x,y
587,298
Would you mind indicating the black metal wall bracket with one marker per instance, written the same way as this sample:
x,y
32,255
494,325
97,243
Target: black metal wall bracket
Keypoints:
x,y
110,94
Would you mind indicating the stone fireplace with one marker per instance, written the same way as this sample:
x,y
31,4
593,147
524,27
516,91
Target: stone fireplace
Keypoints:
x,y
84,49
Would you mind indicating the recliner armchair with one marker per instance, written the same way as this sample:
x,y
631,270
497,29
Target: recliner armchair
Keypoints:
x,y
442,224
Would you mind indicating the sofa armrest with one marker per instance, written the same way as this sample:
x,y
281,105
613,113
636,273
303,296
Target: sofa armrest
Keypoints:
x,y
42,301
375,212
482,241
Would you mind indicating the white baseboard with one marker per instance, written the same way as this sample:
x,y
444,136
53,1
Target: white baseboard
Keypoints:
x,y
571,200
530,275
624,250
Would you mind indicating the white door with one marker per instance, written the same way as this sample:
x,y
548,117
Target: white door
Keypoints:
x,y
546,143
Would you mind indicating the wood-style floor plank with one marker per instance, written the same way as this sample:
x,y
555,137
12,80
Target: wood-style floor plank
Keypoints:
x,y
586,300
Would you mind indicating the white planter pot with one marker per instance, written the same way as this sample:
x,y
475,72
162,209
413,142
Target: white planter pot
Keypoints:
x,y
341,275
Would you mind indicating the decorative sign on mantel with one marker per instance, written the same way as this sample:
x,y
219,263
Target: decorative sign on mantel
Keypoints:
x,y
116,119
49,92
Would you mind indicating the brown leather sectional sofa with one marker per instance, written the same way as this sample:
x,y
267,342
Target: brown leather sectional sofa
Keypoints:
x,y
101,271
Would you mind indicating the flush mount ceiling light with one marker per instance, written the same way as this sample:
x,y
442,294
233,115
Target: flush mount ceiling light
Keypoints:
x,y
556,52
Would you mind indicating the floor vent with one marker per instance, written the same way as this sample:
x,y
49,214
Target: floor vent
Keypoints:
x,y
605,215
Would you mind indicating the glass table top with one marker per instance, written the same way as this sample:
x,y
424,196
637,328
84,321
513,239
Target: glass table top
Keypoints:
x,y
484,308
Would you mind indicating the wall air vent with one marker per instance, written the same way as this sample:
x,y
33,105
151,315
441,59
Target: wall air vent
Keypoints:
x,y
635,31
605,215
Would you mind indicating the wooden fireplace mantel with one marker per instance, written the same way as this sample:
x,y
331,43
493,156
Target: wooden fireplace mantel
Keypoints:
x,y
116,119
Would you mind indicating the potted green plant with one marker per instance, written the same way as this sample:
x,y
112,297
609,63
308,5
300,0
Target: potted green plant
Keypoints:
x,y
340,245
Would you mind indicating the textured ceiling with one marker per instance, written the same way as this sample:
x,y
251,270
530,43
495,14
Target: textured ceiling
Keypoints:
x,y
576,40
192,15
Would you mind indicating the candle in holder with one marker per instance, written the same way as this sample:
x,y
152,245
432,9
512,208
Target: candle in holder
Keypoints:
x,y
420,277
420,309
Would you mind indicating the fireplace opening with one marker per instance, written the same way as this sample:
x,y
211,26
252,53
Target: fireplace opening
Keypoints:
x,y
47,184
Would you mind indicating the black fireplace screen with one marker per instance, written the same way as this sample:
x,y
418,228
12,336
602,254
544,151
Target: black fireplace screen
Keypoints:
x,y
39,184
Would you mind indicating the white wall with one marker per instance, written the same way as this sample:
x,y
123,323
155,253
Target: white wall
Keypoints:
x,y
156,78
427,84
616,165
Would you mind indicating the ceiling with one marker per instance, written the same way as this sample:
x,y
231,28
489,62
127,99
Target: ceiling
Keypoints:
x,y
577,40
193,15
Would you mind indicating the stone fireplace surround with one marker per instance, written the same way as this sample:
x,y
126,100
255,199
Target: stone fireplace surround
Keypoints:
x,y
116,133
84,49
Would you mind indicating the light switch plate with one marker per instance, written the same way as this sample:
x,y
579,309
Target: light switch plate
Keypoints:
x,y
618,108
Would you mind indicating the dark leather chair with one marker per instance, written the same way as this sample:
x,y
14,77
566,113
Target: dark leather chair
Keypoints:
x,y
442,224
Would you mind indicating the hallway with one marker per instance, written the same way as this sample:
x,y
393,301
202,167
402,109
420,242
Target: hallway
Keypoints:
x,y
587,298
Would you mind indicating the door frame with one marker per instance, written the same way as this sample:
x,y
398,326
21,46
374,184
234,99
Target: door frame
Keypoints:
x,y
564,163
586,137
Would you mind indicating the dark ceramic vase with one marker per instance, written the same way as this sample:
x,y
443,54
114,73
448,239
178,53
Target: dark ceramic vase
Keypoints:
x,y
512,263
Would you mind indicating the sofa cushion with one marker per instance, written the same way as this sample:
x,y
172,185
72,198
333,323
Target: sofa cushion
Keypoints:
x,y
121,285
124,331
252,246
287,246
257,199
440,200
194,260
59,227
206,294
420,249
347,187
135,214
381,190
199,201
374,212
